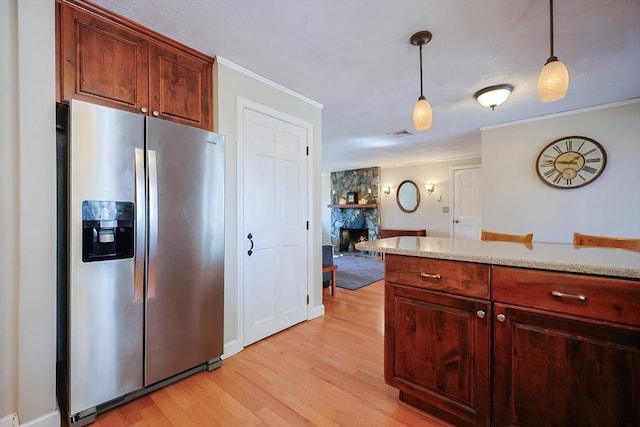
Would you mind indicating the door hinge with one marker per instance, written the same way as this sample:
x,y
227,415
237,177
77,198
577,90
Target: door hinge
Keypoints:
x,y
307,299
307,225
307,150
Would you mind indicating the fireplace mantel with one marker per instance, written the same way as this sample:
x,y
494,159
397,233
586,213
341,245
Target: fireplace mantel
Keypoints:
x,y
355,206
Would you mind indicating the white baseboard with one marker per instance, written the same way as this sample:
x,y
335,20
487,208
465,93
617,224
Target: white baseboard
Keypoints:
x,y
316,311
51,419
9,421
231,348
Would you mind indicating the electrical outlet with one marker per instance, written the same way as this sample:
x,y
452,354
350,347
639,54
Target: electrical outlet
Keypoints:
x,y
445,209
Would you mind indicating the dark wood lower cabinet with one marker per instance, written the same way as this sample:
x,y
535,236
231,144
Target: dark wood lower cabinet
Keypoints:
x,y
437,352
513,346
552,370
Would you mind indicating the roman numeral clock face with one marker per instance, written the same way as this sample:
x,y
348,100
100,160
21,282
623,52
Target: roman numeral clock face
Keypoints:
x,y
571,162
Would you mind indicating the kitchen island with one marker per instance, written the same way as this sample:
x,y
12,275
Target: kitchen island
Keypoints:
x,y
498,333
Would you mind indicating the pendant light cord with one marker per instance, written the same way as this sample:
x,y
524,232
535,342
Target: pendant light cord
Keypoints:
x,y
551,26
421,95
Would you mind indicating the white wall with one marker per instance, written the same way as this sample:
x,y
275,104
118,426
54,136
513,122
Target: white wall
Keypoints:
x,y
325,199
231,82
429,214
514,199
28,214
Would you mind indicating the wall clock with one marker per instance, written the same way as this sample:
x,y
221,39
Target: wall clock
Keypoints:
x,y
571,162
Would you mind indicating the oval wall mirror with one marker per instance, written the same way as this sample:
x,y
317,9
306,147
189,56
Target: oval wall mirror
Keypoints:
x,y
408,196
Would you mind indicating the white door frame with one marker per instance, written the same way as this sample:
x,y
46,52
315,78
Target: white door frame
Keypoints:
x,y
243,104
452,170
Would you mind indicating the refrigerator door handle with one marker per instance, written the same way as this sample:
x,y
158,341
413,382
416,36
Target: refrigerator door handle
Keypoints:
x,y
138,282
153,224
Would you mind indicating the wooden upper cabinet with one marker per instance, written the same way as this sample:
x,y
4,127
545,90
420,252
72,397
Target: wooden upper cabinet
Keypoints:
x,y
108,60
180,86
102,62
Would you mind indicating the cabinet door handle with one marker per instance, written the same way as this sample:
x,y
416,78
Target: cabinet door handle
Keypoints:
x,y
568,296
155,114
143,109
501,317
481,314
430,276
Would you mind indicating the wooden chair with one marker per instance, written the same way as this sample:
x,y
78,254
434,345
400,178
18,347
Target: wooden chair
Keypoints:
x,y
606,242
526,239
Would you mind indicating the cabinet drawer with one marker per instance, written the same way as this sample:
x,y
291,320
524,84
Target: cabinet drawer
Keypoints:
x,y
609,299
456,277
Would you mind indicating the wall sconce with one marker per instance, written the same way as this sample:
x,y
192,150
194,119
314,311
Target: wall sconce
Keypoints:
x,y
430,187
386,190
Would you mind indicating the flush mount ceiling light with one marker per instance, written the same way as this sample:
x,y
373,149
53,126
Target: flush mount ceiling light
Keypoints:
x,y
553,81
493,96
422,114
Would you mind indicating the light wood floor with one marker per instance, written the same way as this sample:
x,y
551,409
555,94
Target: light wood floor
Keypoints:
x,y
324,372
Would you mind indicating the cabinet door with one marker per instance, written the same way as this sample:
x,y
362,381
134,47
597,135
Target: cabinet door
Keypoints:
x,y
561,371
102,62
437,352
180,87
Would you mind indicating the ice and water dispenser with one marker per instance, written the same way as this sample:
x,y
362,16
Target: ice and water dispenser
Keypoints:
x,y
107,230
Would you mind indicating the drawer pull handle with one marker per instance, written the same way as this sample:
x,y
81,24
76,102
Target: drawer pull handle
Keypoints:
x,y
430,276
568,296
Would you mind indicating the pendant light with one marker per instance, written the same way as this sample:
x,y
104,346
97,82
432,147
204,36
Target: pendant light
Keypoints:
x,y
553,81
422,114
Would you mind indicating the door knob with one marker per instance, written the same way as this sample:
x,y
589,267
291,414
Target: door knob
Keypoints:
x,y
456,221
250,237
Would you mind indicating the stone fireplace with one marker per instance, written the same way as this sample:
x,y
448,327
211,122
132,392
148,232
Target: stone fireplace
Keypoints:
x,y
353,222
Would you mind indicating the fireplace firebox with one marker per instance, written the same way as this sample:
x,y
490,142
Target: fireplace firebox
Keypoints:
x,y
350,236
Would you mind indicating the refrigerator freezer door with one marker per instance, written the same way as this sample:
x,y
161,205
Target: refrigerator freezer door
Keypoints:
x,y
105,320
184,312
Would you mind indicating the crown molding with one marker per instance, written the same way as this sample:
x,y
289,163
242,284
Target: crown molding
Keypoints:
x,y
266,81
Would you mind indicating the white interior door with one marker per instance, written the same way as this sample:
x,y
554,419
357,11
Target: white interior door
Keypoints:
x,y
466,185
274,224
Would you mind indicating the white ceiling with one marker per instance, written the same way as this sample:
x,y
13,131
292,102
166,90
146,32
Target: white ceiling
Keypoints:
x,y
354,57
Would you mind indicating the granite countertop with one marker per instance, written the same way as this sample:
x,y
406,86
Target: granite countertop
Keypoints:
x,y
542,256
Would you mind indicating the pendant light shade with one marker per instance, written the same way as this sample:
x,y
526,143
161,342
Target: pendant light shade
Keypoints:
x,y
422,114
553,82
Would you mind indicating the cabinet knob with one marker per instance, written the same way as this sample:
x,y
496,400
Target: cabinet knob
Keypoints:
x,y
155,114
456,221
143,109
481,314
501,317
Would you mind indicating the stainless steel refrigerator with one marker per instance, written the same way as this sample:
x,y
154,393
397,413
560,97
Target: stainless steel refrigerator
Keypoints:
x,y
142,296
